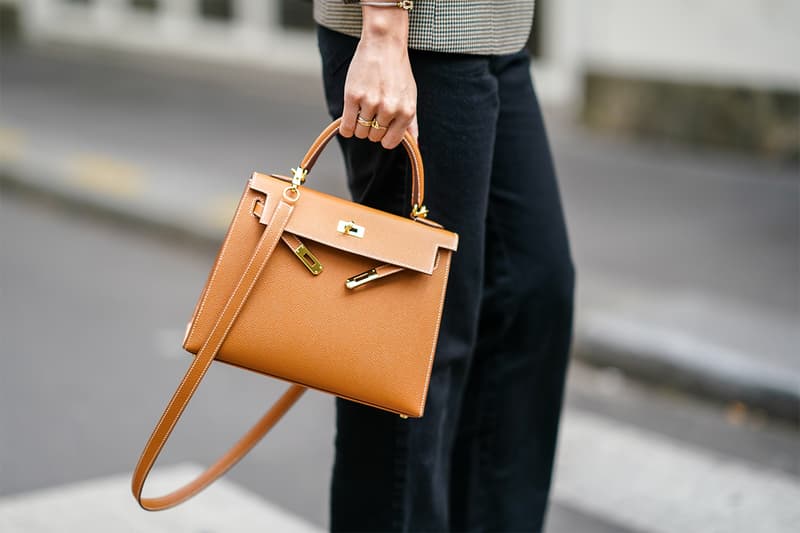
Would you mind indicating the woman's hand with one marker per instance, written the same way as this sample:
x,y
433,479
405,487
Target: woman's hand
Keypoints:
x,y
380,85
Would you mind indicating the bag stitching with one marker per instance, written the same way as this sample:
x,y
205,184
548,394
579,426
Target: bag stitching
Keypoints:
x,y
438,323
236,220
208,364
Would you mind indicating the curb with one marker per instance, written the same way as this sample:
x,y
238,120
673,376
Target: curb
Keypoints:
x,y
129,211
688,364
638,349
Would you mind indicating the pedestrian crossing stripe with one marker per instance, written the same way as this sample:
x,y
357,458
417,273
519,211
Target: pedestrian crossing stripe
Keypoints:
x,y
652,483
100,506
616,472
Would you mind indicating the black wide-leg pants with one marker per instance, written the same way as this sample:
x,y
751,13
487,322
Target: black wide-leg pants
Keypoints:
x,y
481,458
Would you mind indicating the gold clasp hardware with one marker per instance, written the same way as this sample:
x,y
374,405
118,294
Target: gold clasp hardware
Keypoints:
x,y
419,211
348,227
361,279
292,193
309,260
298,176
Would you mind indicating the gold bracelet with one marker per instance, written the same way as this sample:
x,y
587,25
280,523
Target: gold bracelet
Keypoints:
x,y
408,5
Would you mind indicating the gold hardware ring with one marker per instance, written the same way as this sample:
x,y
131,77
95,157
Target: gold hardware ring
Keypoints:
x,y
291,194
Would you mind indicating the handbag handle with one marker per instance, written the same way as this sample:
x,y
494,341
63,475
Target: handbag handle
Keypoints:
x,y
418,209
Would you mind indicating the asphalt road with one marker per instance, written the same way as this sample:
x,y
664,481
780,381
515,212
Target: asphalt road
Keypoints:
x,y
92,318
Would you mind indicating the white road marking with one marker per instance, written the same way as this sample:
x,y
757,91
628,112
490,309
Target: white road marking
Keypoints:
x,y
107,505
648,482
611,470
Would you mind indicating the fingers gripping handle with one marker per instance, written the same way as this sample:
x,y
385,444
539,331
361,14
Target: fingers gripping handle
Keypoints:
x,y
408,142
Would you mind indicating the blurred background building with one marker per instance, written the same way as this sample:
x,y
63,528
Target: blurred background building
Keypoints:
x,y
706,72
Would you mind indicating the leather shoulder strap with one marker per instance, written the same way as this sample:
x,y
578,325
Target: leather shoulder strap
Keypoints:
x,y
180,399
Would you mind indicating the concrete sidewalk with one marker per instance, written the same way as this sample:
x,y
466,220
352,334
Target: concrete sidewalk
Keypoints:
x,y
687,263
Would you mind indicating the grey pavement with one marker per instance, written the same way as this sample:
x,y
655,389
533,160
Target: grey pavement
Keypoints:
x,y
92,314
687,261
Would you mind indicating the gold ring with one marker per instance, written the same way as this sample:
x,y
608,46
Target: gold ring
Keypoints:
x,y
374,124
364,122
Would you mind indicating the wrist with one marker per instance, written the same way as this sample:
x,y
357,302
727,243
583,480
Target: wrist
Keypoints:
x,y
385,24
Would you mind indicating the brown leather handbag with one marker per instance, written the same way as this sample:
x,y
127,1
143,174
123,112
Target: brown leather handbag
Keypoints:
x,y
320,292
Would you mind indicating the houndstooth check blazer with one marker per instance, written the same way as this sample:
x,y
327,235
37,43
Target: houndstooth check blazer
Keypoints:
x,y
486,27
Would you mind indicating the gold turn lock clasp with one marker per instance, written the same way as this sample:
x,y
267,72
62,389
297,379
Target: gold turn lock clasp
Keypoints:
x,y
419,211
361,279
348,227
308,259
299,176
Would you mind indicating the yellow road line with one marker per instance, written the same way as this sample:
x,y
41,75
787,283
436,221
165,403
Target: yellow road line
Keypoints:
x,y
12,143
219,211
106,175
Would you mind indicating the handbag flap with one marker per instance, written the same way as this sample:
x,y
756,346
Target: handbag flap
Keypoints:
x,y
381,236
